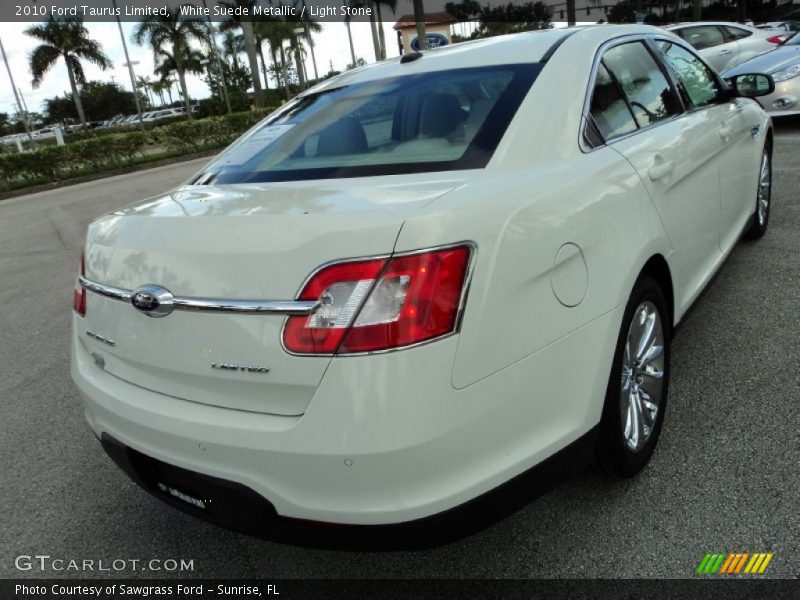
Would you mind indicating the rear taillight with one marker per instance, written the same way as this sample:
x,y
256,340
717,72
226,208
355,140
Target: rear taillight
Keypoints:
x,y
79,293
776,39
381,304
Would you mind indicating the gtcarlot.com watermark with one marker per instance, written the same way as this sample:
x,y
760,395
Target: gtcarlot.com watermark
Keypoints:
x,y
54,564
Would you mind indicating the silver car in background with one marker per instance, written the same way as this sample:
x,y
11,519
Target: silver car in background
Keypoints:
x,y
783,63
724,45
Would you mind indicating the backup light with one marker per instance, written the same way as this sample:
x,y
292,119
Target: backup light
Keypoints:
x,y
381,304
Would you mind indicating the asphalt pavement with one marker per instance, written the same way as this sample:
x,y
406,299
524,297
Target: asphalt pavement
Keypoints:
x,y
725,476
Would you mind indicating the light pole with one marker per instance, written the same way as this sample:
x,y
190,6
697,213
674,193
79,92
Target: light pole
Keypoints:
x,y
23,113
129,64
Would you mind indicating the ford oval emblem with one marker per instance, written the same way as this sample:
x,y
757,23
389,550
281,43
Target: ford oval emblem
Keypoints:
x,y
152,300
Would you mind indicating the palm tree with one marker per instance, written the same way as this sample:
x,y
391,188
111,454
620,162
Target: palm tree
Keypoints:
x,y
376,42
419,17
309,26
246,26
260,40
232,47
159,87
296,47
143,82
171,34
69,40
166,65
392,4
350,38
276,32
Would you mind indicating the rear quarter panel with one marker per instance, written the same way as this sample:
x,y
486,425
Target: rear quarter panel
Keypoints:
x,y
519,221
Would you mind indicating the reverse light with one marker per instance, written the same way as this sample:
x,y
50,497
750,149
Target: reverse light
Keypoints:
x,y
79,293
381,304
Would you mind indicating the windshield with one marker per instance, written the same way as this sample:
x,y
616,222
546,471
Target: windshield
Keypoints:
x,y
437,121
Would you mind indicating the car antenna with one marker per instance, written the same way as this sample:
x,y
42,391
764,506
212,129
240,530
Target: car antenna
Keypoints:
x,y
410,57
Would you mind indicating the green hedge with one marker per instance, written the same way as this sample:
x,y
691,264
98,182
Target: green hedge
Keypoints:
x,y
99,153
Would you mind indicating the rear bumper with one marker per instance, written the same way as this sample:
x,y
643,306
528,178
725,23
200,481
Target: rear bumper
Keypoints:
x,y
386,439
234,506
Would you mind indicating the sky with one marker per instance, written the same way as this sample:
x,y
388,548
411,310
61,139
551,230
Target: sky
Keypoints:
x,y
331,47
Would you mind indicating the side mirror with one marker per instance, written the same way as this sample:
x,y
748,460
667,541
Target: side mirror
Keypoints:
x,y
752,85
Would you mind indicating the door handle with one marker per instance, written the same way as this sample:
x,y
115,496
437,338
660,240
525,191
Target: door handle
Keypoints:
x,y
726,132
726,51
661,169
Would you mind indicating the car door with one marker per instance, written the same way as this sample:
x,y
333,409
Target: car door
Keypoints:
x,y
675,154
703,93
710,41
750,44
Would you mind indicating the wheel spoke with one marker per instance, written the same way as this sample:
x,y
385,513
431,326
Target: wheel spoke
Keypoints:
x,y
653,353
764,185
652,372
628,428
636,421
647,338
650,409
627,378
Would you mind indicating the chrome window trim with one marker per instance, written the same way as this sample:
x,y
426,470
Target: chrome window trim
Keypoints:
x,y
598,57
186,303
473,247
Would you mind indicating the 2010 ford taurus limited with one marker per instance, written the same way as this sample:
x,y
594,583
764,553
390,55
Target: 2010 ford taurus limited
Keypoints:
x,y
422,280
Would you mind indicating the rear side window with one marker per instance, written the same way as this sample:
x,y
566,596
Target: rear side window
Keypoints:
x,y
645,86
704,36
736,33
696,80
609,111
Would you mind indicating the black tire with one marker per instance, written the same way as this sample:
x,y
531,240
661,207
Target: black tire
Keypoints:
x,y
613,456
760,221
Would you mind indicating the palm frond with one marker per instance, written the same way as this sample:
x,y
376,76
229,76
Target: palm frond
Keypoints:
x,y
42,60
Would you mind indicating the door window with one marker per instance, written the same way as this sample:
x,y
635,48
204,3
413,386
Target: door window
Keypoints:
x,y
703,36
696,80
609,110
646,88
736,33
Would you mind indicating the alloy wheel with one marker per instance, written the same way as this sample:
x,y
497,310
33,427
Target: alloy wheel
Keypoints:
x,y
642,376
764,188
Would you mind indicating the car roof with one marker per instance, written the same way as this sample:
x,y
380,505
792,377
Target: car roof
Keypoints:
x,y
519,48
697,23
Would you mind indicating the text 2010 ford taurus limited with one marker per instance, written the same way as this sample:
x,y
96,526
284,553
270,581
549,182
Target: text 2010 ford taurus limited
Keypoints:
x,y
421,279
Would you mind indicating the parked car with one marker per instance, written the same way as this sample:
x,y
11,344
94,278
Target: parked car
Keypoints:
x,y
781,26
783,64
168,113
724,45
412,290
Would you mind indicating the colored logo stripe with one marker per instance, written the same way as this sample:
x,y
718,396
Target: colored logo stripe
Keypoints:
x,y
733,563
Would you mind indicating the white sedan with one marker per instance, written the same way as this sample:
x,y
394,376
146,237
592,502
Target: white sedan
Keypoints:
x,y
724,45
422,283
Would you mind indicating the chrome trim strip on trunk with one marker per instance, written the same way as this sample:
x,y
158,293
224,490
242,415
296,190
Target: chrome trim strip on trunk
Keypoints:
x,y
274,307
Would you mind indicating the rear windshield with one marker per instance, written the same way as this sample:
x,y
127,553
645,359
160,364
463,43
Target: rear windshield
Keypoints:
x,y
446,120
